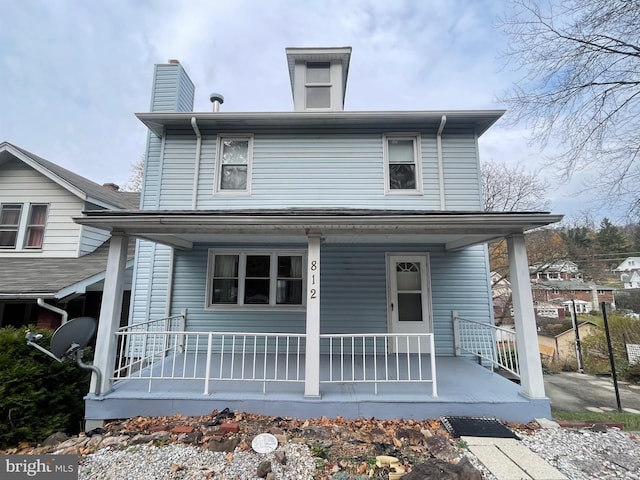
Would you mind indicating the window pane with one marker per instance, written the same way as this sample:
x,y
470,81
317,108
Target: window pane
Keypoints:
x,y
409,307
318,72
225,291
402,177
256,291
35,237
10,215
8,238
38,215
318,97
258,266
401,151
235,151
234,178
290,267
289,292
226,266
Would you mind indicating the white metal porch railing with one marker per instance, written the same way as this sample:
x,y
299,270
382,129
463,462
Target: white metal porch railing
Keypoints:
x,y
379,358
149,353
491,343
207,356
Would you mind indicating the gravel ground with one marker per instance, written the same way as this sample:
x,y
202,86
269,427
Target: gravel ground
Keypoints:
x,y
579,454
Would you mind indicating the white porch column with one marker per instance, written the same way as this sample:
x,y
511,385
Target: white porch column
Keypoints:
x,y
312,359
531,382
109,322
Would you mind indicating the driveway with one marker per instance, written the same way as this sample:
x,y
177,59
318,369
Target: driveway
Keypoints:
x,y
579,392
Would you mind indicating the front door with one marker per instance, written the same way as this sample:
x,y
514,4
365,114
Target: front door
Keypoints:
x,y
409,295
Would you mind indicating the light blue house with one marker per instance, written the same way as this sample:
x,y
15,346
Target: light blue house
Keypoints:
x,y
314,262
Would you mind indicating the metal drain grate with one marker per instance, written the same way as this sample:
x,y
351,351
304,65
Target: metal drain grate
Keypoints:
x,y
476,427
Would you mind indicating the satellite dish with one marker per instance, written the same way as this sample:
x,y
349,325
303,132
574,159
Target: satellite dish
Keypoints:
x,y
75,334
69,340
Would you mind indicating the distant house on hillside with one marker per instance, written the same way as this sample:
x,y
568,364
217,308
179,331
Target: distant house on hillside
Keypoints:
x,y
48,262
629,271
567,290
558,270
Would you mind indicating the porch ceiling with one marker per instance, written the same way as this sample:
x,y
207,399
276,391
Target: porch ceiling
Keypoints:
x,y
453,230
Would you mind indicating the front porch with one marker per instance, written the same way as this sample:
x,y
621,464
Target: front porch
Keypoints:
x,y
464,388
163,370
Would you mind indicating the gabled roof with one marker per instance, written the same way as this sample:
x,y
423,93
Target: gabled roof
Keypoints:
x,y
621,268
560,266
54,277
80,186
544,333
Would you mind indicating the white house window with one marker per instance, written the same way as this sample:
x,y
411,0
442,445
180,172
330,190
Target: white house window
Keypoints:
x,y
402,165
9,225
255,278
318,85
18,232
234,163
35,226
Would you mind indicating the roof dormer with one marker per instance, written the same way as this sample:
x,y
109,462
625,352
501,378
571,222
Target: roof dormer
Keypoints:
x,y
318,77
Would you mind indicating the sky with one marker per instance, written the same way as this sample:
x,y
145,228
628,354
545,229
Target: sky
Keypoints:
x,y
74,72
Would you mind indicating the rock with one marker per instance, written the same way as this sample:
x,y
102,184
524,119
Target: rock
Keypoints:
x,y
440,447
316,433
228,445
75,442
96,431
439,470
193,437
411,435
141,438
271,476
280,457
95,441
55,439
263,469
111,441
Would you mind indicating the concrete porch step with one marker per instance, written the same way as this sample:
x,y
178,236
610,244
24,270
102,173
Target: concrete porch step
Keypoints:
x,y
508,459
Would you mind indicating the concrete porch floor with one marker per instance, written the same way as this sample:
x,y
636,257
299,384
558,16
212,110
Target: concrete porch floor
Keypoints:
x,y
464,388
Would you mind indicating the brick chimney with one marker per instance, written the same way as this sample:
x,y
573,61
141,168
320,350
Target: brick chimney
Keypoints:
x,y
111,186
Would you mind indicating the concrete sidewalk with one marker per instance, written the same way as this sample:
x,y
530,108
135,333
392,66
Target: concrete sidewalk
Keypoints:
x,y
508,459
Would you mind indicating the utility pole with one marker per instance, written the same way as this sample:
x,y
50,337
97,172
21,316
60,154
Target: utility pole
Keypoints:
x,y
574,322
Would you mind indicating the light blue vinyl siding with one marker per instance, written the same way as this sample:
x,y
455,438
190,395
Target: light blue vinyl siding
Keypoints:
x,y
91,238
329,170
353,292
172,91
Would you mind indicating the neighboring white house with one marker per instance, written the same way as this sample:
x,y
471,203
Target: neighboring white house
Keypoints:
x,y
44,255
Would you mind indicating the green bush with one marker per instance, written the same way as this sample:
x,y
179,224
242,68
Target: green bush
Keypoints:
x,y
632,373
38,396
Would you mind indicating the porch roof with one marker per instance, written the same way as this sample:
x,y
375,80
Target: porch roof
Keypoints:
x,y
453,229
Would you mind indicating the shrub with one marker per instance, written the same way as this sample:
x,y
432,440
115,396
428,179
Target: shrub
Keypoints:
x,y
632,373
38,396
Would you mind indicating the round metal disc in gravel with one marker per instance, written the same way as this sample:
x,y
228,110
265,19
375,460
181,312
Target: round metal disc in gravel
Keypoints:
x,y
264,443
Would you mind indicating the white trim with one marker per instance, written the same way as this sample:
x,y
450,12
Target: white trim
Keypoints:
x,y
417,158
273,278
218,166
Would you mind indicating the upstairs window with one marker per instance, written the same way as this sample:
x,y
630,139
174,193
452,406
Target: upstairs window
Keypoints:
x,y
255,278
9,225
35,227
234,163
402,165
20,233
318,85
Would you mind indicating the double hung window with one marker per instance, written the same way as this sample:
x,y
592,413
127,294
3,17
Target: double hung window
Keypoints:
x,y
402,164
19,233
318,85
255,278
234,163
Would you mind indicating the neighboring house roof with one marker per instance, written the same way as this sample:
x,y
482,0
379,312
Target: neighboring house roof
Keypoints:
x,y
544,333
74,183
560,266
628,264
568,285
54,277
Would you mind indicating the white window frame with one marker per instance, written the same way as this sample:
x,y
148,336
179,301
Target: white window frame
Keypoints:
x,y
217,189
417,158
273,279
24,226
328,85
